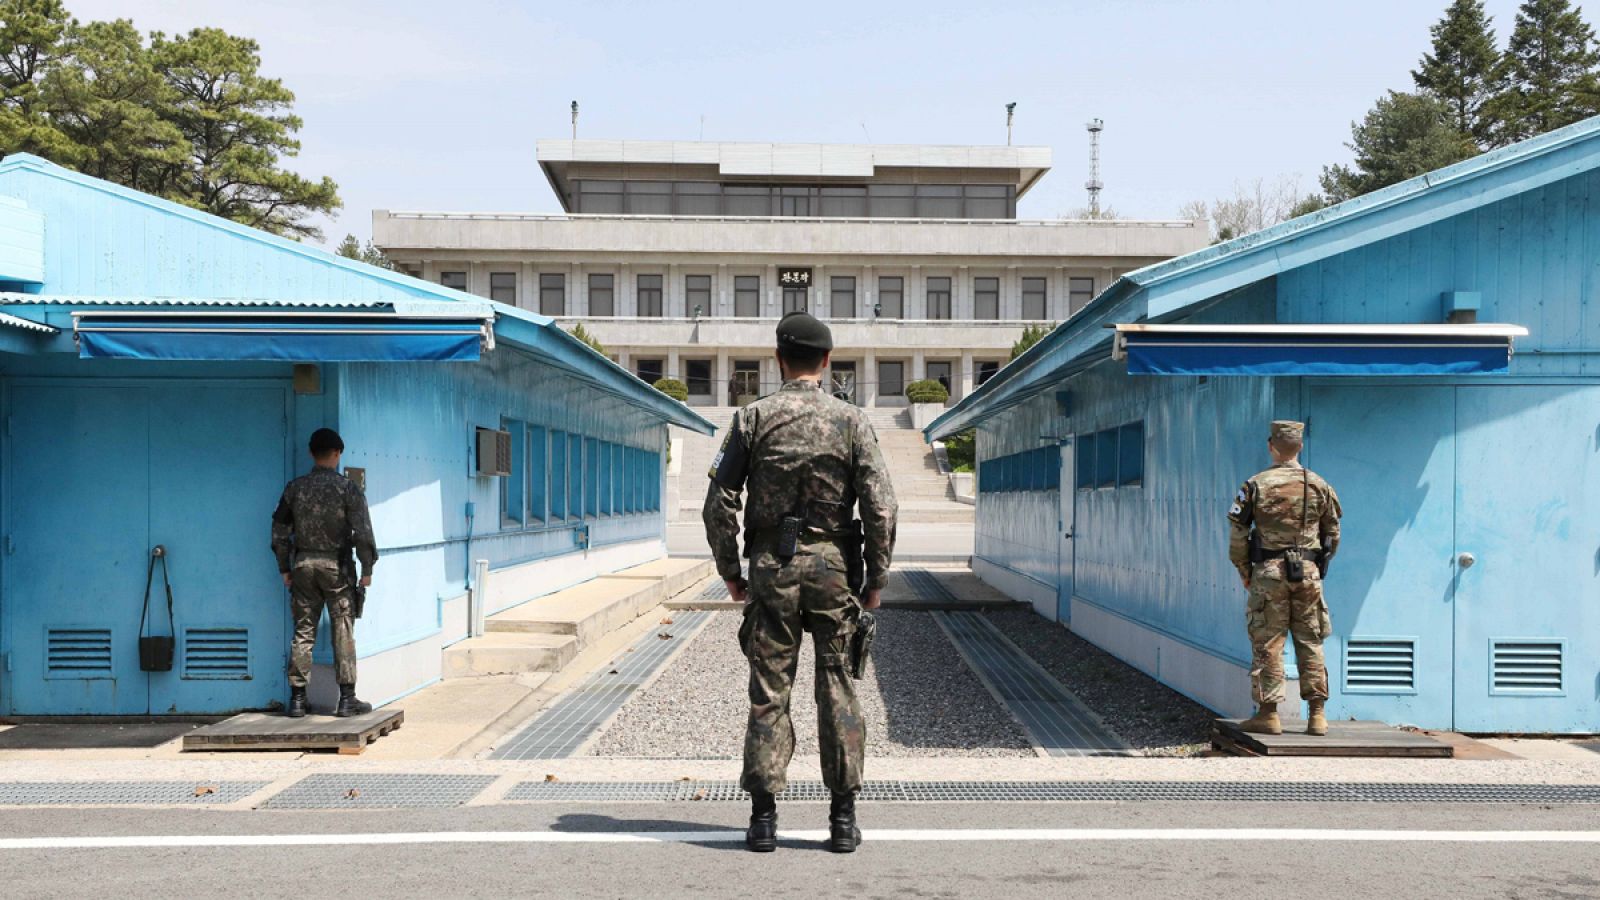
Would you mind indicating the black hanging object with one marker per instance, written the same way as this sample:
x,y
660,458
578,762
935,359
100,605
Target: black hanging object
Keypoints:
x,y
156,651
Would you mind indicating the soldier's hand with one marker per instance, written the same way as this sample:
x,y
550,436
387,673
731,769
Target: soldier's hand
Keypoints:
x,y
288,581
366,581
872,598
738,591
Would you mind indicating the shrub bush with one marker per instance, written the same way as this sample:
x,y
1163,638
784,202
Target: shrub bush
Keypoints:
x,y
961,449
673,388
927,391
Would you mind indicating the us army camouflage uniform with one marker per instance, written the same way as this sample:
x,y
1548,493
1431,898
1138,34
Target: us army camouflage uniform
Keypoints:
x,y
1292,508
806,451
320,516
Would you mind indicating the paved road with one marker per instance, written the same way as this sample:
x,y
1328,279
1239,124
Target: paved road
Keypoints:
x,y
440,861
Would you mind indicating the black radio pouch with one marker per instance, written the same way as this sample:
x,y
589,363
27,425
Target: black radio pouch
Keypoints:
x,y
1294,566
789,537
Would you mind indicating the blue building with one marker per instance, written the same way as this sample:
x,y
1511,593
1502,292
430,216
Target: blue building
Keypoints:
x,y
1466,593
160,370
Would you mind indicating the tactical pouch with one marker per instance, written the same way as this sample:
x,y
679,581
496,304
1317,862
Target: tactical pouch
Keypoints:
x,y
156,651
789,537
861,644
1293,566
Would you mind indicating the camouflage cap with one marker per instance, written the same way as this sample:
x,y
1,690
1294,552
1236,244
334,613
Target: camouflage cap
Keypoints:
x,y
1285,430
802,330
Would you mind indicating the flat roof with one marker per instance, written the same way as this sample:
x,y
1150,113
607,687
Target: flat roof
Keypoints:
x,y
773,160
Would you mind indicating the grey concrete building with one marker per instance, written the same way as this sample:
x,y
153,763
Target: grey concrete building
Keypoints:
x,y
681,256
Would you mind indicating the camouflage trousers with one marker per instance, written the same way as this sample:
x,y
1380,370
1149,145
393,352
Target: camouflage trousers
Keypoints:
x,y
808,594
316,584
1278,607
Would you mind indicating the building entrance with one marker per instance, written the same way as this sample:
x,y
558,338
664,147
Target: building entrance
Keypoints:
x,y
796,299
843,381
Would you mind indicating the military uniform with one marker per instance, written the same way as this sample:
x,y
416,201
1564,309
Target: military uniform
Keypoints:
x,y
1292,517
320,516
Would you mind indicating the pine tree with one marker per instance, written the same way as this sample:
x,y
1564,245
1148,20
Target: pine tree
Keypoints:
x,y
31,33
1403,136
350,248
1460,70
1547,75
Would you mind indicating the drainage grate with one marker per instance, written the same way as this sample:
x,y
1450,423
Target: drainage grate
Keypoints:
x,y
716,591
929,587
373,790
561,728
1055,718
1067,792
118,793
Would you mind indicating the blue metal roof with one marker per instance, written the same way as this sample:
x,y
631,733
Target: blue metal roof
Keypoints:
x,y
1169,289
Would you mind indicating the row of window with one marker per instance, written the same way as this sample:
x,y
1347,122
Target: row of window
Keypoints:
x,y
746,375
1030,470
556,475
709,198
841,295
1113,457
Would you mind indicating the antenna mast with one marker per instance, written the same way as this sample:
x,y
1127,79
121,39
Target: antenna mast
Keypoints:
x,y
574,120
1094,184
1011,109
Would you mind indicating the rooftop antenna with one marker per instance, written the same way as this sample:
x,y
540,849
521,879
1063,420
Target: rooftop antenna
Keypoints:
x,y
1011,109
574,120
865,131
702,126
1094,184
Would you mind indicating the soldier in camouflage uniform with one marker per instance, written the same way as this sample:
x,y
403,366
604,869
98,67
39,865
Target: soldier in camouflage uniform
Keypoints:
x,y
1284,530
320,517
801,453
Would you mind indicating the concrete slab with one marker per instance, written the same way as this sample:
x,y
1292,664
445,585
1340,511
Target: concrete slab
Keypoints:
x,y
263,731
502,653
1365,739
585,611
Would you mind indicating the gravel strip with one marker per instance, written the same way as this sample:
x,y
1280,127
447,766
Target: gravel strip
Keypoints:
x,y
1147,714
927,703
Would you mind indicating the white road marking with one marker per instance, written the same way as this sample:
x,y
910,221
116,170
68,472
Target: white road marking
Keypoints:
x,y
1001,835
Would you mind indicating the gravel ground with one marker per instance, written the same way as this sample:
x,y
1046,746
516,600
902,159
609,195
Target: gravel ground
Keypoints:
x,y
1150,716
927,704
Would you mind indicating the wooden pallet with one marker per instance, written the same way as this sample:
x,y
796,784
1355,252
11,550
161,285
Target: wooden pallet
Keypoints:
x,y
263,731
1365,739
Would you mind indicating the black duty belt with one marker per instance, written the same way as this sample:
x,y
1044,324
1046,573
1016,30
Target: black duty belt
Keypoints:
x,y
1306,552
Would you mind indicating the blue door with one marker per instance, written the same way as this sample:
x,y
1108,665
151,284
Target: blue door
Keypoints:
x,y
96,475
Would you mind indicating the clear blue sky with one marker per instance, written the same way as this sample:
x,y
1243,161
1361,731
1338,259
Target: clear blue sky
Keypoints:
x,y
436,105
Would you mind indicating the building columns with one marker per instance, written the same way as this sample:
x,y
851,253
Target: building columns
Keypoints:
x,y
965,377
867,380
869,290
722,380
772,295
672,367
915,299
919,365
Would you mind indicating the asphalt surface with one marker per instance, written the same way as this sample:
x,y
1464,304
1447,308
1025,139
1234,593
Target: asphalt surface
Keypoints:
x,y
891,868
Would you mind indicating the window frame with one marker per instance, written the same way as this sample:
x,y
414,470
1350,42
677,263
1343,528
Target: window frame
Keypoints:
x,y
702,295
945,293
496,291
609,290
747,288
558,476
835,291
992,291
899,292
657,295
552,285
516,481
1076,289
537,479
445,279
1041,291
901,366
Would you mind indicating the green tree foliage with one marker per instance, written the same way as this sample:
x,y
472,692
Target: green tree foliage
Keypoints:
x,y
1548,73
1461,68
583,334
961,449
673,388
350,248
1403,136
1031,335
31,32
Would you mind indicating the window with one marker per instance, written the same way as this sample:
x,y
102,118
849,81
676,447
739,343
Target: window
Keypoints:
x,y
987,370
619,477
747,296
795,201
939,201
1130,458
891,379
746,200
1033,299
850,202
1085,461
649,370
630,479
602,295
513,487
892,201
503,287
558,475
649,296
538,473
794,300
591,477
938,298
1105,458
1079,292
844,297
575,477
649,198
697,295
455,281
698,377
599,196
603,466
985,298
553,294
988,201
892,297
699,198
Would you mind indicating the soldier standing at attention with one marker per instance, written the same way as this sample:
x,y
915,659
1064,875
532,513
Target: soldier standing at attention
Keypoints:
x,y
320,515
1284,530
806,461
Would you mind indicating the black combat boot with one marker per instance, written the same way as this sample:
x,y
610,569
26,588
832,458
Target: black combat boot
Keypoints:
x,y
297,703
843,835
762,836
348,704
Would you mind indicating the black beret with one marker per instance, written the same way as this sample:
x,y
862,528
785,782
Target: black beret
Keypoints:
x,y
802,330
326,440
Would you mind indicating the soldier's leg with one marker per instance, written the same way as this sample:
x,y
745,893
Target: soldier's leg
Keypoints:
x,y
1268,622
339,596
770,638
829,611
305,605
1309,625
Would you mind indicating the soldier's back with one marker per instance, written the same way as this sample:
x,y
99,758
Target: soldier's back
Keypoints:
x,y
802,448
318,503
1289,503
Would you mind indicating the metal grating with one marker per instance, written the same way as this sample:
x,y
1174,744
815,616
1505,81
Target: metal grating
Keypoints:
x,y
1527,666
78,653
374,790
1380,665
1068,792
216,653
716,591
929,587
1054,717
122,793
561,728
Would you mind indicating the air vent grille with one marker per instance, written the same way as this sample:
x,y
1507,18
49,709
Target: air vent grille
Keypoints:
x,y
216,653
1380,665
1522,666
78,653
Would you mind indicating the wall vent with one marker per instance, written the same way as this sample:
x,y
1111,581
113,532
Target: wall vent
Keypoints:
x,y
78,653
216,653
1526,666
1380,665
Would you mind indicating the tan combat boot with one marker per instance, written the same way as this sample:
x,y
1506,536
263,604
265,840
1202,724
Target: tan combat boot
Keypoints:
x,y
1317,723
1265,721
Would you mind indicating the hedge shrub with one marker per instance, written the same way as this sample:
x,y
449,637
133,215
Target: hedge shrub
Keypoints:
x,y
673,388
927,391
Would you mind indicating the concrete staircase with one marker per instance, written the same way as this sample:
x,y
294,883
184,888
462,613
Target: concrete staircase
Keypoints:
x,y
544,634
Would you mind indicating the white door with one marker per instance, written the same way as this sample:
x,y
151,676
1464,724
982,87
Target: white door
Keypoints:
x,y
1064,564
